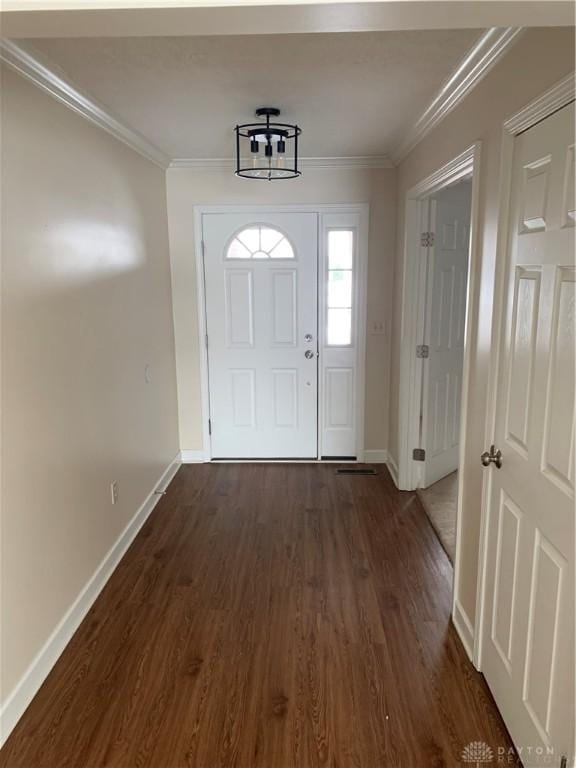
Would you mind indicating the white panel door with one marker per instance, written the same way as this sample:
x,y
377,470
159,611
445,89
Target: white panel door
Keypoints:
x,y
528,645
262,319
445,320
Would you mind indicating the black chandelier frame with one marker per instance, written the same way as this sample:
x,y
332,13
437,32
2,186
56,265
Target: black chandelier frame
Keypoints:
x,y
268,133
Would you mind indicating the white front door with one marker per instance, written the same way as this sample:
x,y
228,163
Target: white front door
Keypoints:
x,y
445,321
528,642
261,275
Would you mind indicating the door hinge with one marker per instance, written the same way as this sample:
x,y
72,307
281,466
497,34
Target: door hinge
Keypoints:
x,y
419,454
427,239
206,339
422,350
203,247
209,426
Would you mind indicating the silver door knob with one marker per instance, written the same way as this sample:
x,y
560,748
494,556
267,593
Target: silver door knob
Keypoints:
x,y
492,456
308,337
308,354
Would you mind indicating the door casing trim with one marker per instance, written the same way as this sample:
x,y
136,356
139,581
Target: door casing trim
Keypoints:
x,y
360,209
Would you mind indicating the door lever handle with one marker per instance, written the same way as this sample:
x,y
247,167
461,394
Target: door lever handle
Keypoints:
x,y
492,456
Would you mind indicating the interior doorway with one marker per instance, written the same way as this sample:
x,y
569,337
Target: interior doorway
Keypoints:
x,y
440,234
442,349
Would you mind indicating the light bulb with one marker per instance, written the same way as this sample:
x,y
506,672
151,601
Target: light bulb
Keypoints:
x,y
255,154
281,155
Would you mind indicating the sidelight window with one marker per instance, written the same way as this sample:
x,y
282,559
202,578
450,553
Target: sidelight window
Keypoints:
x,y
340,287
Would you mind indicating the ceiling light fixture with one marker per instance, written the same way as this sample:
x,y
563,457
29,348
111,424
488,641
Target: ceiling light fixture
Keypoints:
x,y
267,150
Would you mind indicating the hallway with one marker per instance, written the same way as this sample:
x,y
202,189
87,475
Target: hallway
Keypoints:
x,y
273,615
440,502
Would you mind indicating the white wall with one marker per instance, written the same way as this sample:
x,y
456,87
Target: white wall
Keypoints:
x,y
190,187
539,59
85,305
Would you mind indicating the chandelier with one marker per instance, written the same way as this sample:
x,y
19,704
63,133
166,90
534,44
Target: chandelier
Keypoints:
x,y
267,150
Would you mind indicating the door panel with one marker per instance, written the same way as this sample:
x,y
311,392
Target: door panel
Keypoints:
x,y
239,308
558,444
261,305
445,318
506,584
284,289
339,397
548,573
524,326
528,657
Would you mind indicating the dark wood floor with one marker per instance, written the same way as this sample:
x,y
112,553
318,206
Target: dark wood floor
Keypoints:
x,y
267,616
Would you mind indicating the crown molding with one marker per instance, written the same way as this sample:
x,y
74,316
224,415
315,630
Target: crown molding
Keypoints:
x,y
554,99
489,49
479,60
360,161
454,171
45,75
229,163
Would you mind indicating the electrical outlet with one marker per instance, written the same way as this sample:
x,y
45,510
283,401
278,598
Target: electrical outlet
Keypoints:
x,y
377,328
114,492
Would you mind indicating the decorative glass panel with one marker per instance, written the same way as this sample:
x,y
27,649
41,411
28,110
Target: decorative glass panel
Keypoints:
x,y
270,238
260,243
340,288
250,238
340,283
283,250
339,327
238,251
340,248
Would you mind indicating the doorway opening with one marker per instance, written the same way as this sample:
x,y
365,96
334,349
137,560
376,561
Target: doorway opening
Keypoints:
x,y
447,255
440,275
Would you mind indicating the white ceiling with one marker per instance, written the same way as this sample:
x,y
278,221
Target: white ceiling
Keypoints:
x,y
352,93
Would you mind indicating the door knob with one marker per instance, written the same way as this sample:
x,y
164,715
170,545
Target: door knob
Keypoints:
x,y
308,337
492,456
308,354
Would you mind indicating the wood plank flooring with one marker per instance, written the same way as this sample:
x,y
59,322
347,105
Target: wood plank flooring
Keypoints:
x,y
267,616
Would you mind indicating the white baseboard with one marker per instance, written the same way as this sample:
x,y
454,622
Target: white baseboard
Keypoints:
x,y
464,628
193,457
375,456
26,689
393,469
